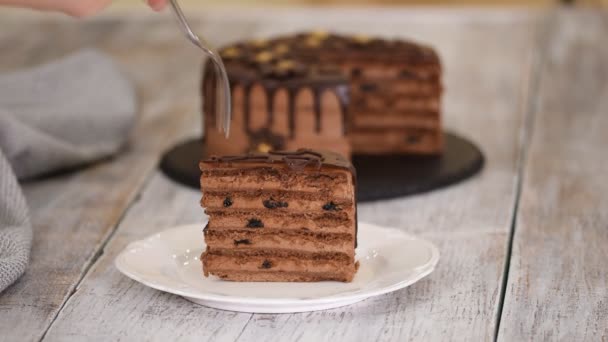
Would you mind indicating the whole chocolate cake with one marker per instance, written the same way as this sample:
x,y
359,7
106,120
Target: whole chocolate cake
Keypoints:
x,y
349,94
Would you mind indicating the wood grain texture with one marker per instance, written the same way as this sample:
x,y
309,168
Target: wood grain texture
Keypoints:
x,y
470,222
110,306
558,280
349,3
74,214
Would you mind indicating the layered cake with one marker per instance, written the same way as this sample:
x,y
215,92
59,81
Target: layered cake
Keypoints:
x,y
280,216
350,94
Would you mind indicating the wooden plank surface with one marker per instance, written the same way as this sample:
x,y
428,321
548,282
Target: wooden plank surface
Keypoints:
x,y
350,3
74,214
558,279
470,222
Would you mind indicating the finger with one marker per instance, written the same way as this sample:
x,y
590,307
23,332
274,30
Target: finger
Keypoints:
x,y
157,5
75,8
83,8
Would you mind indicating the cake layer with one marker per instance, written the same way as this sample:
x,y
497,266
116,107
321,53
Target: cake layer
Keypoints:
x,y
335,221
364,87
371,141
394,120
379,68
414,88
262,276
301,241
275,261
413,104
398,104
336,183
376,71
294,201
335,258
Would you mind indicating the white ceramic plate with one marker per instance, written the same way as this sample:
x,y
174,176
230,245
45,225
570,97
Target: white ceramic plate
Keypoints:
x,y
169,261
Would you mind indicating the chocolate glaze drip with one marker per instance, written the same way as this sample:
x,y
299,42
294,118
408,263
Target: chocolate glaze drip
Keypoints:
x,y
300,159
338,87
270,103
244,158
208,101
300,152
247,107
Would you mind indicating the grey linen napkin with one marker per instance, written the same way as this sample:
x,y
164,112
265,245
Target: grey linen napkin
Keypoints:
x,y
56,116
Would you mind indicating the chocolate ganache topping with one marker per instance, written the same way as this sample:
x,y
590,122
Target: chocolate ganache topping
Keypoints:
x,y
295,160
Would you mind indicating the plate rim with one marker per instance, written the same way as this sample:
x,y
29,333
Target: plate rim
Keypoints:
x,y
423,271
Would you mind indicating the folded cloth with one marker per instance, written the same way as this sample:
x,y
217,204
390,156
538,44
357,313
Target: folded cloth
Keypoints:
x,y
57,116
15,228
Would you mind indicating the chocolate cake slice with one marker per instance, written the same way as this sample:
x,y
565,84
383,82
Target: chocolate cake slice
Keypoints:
x,y
280,216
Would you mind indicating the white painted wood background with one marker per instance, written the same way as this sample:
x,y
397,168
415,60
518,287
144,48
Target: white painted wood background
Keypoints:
x,y
558,279
529,87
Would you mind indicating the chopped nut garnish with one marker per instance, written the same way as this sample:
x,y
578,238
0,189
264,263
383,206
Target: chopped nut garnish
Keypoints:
x,y
263,57
281,49
259,42
312,42
319,34
230,53
361,38
264,147
286,64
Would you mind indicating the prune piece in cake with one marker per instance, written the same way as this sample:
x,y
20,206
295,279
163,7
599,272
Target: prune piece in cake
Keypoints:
x,y
331,206
255,223
272,204
227,202
242,242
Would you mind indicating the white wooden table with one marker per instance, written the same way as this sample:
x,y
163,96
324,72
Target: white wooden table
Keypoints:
x,y
524,244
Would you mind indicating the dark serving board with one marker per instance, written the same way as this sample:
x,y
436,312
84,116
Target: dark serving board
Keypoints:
x,y
378,177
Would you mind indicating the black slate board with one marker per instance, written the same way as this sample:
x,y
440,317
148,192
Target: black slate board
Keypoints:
x,y
378,177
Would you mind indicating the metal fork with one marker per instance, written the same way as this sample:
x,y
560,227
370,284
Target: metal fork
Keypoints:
x,y
223,108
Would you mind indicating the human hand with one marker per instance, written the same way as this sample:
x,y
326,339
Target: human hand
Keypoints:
x,y
75,8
